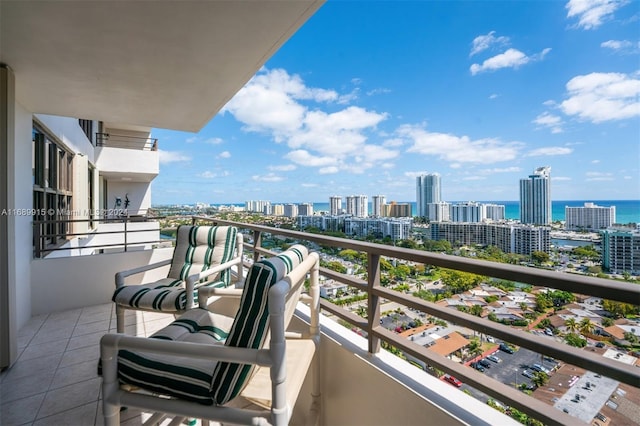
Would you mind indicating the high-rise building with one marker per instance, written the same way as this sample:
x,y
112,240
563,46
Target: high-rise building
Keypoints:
x,y
377,201
305,209
394,209
589,217
335,205
438,212
290,210
494,211
427,191
535,197
621,250
257,206
358,205
468,212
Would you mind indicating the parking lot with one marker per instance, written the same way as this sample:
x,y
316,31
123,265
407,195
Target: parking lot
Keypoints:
x,y
509,369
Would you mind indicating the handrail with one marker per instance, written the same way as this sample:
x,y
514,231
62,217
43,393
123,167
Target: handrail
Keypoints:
x,y
599,287
42,247
126,141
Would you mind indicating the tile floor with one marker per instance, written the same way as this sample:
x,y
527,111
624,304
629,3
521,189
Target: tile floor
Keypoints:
x,y
55,381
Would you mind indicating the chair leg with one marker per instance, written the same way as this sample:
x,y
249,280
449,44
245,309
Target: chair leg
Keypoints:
x,y
111,414
119,319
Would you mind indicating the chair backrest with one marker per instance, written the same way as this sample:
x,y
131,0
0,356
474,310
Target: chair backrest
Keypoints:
x,y
199,248
250,327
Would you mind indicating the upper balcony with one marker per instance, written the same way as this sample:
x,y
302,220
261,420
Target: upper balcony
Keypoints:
x,y
361,384
127,155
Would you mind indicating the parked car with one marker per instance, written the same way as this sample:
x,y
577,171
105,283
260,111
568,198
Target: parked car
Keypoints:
x,y
490,339
484,363
478,366
541,369
506,348
450,379
599,345
528,374
494,359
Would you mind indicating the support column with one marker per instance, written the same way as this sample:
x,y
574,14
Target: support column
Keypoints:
x,y
8,332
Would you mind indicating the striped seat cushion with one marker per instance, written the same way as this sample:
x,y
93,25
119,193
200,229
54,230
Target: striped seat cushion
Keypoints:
x,y
206,381
250,325
180,377
198,248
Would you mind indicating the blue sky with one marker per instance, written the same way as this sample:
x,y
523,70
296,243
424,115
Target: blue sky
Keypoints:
x,y
367,95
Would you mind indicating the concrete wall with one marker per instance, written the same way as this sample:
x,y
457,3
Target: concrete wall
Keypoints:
x,y
127,161
74,282
139,195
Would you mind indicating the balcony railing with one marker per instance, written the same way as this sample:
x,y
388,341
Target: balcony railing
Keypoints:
x,y
126,141
53,235
375,333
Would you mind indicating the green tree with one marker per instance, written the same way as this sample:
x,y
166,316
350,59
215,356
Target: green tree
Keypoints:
x,y
458,281
586,326
540,378
571,324
476,310
540,256
576,340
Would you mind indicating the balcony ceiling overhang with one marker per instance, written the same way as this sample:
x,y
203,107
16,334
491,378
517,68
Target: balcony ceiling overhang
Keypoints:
x,y
165,64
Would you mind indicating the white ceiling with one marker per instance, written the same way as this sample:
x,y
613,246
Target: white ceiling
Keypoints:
x,y
167,64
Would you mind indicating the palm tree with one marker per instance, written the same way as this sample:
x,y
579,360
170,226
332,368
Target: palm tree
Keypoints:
x,y
571,324
539,378
586,326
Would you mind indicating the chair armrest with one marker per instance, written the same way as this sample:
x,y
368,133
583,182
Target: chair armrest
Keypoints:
x,y
193,279
120,276
207,292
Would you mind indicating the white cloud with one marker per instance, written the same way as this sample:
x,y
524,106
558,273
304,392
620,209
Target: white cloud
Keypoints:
x,y
224,154
549,151
214,141
592,13
378,91
393,143
599,97
512,169
211,175
459,149
283,168
598,176
512,58
549,121
276,103
328,170
167,157
269,177
483,42
560,178
595,161
309,185
414,175
474,178
493,96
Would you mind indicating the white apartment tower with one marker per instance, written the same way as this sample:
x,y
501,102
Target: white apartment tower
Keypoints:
x,y
590,216
305,209
535,197
438,212
358,205
377,201
335,205
428,191
468,212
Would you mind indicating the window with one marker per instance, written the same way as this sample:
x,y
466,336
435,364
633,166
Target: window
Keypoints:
x,y
52,176
87,128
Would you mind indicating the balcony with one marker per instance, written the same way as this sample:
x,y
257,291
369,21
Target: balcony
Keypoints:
x,y
361,384
127,155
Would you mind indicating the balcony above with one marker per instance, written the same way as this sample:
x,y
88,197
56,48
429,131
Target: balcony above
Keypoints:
x,y
156,64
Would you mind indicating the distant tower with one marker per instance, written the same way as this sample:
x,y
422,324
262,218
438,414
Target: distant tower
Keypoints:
x,y
427,191
358,205
377,201
535,197
335,205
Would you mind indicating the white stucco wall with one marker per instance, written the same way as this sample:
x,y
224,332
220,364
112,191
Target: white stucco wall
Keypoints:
x,y
139,195
70,134
20,228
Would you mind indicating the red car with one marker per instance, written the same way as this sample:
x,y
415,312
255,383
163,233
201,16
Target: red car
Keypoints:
x,y
450,379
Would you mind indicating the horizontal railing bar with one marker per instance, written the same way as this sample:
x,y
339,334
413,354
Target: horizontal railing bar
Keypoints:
x,y
95,233
137,243
599,287
344,314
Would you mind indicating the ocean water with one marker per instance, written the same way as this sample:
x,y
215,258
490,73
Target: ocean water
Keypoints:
x,y
627,211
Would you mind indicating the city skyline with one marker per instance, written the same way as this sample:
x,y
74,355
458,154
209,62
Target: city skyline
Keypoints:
x,y
365,99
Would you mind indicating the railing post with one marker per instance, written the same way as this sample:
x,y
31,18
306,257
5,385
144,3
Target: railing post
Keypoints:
x,y
257,242
125,233
373,302
37,239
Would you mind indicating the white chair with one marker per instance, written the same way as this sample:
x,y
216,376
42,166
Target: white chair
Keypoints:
x,y
203,257
185,370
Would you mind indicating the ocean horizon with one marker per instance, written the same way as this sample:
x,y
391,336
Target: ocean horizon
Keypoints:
x,y
627,211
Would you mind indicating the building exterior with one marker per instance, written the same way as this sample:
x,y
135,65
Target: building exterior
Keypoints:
x,y
396,210
358,205
277,209
377,203
494,211
589,217
535,197
305,209
621,250
396,228
428,191
335,205
439,212
290,210
258,206
467,212
510,238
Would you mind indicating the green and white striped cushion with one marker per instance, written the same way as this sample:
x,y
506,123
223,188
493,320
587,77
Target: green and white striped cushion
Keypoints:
x,y
250,325
180,377
198,248
206,381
